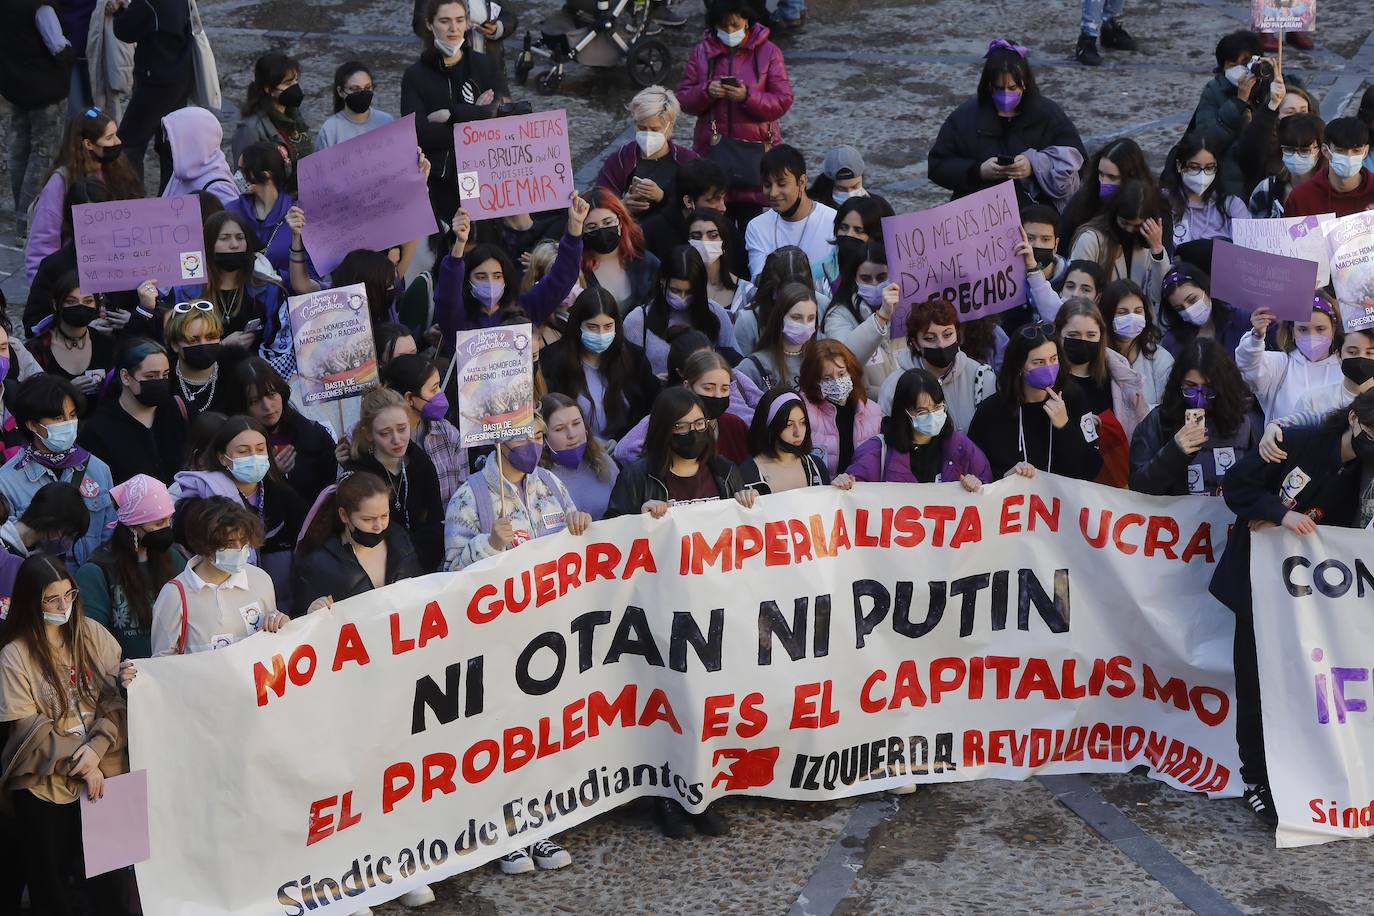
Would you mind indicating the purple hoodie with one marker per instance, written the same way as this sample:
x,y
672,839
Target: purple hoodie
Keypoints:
x,y
960,455
45,229
198,163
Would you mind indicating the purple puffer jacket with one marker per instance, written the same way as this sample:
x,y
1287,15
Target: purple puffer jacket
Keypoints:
x,y
620,165
758,64
960,454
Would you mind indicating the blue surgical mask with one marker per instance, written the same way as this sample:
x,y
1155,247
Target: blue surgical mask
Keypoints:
x,y
1298,164
731,39
249,469
1345,166
58,620
929,424
60,436
232,559
598,343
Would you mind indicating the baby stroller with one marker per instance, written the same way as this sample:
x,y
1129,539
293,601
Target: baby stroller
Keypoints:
x,y
596,33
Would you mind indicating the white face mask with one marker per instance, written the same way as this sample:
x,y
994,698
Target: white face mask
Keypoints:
x,y
731,39
232,559
58,620
1198,313
1128,326
650,141
446,49
1298,164
1197,183
1233,74
709,249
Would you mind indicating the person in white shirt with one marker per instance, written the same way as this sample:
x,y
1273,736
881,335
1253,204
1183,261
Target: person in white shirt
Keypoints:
x,y
794,218
1307,358
219,599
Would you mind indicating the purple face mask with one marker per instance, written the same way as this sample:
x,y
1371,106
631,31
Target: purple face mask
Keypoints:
x,y
435,407
1043,377
569,458
1314,346
1006,100
1198,397
488,292
797,333
1106,189
525,456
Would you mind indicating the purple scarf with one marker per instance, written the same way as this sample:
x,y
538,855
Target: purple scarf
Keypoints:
x,y
56,461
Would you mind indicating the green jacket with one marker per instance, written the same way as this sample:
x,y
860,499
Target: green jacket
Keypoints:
x,y
105,602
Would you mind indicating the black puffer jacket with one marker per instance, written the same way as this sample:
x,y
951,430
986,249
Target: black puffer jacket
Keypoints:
x,y
974,133
30,77
333,569
638,484
428,85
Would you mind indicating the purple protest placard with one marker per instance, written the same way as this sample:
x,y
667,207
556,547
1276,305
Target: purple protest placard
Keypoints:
x,y
495,384
1251,280
114,830
519,164
963,251
367,192
121,243
1283,15
332,333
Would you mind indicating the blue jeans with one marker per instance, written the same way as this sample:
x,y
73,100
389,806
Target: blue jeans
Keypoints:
x,y
1094,11
791,9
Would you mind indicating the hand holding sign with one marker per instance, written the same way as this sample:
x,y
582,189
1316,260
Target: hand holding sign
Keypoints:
x,y
502,534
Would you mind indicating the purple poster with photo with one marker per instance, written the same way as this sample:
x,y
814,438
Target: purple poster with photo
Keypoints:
x,y
121,243
367,192
1253,280
519,164
1283,15
495,384
963,251
332,333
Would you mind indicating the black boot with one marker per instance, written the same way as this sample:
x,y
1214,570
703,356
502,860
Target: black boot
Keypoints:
x,y
672,819
1115,36
1086,52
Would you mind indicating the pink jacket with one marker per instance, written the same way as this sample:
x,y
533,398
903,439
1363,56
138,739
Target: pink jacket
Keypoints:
x,y
1128,393
758,64
825,433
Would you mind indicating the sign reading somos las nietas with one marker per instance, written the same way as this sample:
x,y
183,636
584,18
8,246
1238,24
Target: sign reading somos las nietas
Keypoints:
x,y
820,645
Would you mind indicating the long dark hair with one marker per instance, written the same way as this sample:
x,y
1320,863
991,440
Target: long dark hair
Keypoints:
x,y
850,260
208,460
897,431
374,270
1025,339
617,362
1147,342
1086,203
487,252
1079,307
682,263
1004,60
353,487
1134,200
254,378
770,337
1214,363
671,405
763,436
1184,273
268,72
788,264
118,177
726,227
124,544
214,225
341,76
25,625
1171,179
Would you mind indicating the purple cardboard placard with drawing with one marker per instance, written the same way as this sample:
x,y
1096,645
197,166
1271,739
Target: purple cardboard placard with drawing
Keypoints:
x,y
1251,280
1350,244
1283,15
495,384
367,192
332,334
963,251
519,164
121,243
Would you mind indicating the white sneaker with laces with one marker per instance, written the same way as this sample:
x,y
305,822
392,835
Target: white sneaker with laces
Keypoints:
x,y
548,855
421,896
516,862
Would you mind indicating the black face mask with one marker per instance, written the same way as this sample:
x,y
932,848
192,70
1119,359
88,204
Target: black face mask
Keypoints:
x,y
153,391
791,211
792,448
232,260
366,538
292,96
1359,369
1044,257
157,541
940,357
200,356
358,102
108,154
1078,351
715,406
847,246
78,316
689,444
602,240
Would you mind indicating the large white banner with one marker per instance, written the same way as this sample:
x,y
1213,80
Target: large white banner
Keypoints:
x,y
820,645
1314,633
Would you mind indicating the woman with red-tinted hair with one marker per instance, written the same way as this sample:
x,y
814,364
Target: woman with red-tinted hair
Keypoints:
x,y
841,415
613,253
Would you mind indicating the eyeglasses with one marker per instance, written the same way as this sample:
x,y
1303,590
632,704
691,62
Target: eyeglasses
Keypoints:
x,y
64,600
197,305
1299,150
1192,168
696,426
1038,329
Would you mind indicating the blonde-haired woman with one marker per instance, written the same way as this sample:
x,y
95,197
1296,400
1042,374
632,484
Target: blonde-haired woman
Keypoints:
x,y
193,333
643,173
382,444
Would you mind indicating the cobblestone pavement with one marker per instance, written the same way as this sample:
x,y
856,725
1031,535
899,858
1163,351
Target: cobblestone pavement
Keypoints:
x,y
882,75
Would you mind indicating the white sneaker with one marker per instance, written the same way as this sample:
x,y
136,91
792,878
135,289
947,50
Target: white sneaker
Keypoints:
x,y
909,789
548,855
365,911
516,862
421,896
